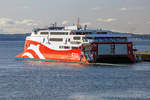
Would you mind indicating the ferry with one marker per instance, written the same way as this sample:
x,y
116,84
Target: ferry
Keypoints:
x,y
77,45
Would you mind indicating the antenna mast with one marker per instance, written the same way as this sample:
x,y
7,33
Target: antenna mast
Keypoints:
x,y
78,24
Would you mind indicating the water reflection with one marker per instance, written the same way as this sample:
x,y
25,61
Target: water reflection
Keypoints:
x,y
66,64
113,95
50,64
143,66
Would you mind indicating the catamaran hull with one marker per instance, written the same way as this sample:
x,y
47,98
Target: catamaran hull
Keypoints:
x,y
37,51
34,50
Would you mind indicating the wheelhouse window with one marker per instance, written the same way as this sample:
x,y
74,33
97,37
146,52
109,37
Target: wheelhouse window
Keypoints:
x,y
56,39
76,38
44,33
59,33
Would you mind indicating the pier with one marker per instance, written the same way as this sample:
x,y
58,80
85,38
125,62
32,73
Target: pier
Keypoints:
x,y
143,56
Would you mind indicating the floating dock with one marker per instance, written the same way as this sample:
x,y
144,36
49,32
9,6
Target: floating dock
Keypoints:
x,y
143,56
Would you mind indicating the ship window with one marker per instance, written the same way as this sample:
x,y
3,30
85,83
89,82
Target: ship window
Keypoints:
x,y
89,33
89,37
69,40
44,33
59,33
56,39
75,42
60,47
35,32
80,33
66,47
101,32
76,38
84,39
74,47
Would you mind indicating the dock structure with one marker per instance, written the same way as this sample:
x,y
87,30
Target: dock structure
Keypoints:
x,y
143,56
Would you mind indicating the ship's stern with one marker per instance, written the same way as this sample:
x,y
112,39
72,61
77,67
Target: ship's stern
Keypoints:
x,y
113,52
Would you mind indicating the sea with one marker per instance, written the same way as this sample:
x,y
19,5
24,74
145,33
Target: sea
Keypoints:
x,y
39,80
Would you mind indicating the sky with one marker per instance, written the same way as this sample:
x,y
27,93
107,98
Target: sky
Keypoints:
x,y
21,16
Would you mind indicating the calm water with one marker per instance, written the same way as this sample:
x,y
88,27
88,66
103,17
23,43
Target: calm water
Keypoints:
x,y
27,80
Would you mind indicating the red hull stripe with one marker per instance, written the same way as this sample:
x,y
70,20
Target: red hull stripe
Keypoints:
x,y
33,53
50,54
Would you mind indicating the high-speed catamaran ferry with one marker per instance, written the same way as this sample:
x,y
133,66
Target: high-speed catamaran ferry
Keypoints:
x,y
74,44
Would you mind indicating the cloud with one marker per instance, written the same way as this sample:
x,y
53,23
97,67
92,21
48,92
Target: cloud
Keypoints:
x,y
95,8
64,22
26,7
6,21
27,22
148,22
106,20
123,9
86,23
2,32
16,26
130,23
